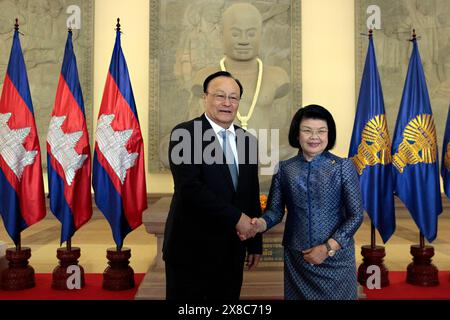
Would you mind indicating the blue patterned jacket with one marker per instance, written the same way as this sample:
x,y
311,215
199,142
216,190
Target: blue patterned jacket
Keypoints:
x,y
322,197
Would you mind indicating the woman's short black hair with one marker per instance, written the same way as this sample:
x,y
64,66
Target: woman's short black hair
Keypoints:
x,y
221,74
312,111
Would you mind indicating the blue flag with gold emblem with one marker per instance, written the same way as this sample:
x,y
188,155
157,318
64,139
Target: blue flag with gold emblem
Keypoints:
x,y
370,149
445,170
415,153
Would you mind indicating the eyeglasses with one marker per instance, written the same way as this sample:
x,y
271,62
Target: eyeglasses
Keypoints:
x,y
221,97
309,132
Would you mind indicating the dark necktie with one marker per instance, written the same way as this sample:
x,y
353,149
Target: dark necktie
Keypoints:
x,y
229,157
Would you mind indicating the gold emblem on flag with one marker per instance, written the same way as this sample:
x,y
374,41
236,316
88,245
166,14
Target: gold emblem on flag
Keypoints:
x,y
447,157
375,146
419,143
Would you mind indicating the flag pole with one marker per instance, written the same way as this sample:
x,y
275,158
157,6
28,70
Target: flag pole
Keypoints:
x,y
19,240
19,243
372,254
19,274
421,272
372,226
67,254
119,248
119,275
69,241
372,236
422,240
118,24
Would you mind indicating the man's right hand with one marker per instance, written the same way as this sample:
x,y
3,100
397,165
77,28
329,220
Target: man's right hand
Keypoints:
x,y
245,229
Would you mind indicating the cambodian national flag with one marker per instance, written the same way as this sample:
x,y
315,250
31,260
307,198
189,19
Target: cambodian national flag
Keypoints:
x,y
445,169
370,149
68,151
22,201
118,170
415,153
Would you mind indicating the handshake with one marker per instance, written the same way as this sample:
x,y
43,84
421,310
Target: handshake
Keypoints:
x,y
247,227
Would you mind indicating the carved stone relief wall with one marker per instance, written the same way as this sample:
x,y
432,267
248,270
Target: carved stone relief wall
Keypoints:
x,y
43,24
394,22
186,36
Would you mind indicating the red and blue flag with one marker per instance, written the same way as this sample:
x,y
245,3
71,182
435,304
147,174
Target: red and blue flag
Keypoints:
x,y
22,190
118,170
68,151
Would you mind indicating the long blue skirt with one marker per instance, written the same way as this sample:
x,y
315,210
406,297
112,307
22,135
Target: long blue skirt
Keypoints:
x,y
334,279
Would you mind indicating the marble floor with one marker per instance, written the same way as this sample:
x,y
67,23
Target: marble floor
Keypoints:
x,y
406,234
95,238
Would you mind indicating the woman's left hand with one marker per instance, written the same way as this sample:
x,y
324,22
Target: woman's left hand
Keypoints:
x,y
315,255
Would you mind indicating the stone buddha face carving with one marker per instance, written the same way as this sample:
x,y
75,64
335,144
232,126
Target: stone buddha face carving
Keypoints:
x,y
242,25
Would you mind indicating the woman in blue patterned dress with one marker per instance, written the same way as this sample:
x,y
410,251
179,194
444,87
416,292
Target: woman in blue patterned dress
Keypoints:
x,y
324,210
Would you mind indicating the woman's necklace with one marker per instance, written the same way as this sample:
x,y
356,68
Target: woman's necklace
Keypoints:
x,y
245,119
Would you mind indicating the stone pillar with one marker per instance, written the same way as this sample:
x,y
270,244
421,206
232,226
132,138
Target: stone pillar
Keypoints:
x,y
153,286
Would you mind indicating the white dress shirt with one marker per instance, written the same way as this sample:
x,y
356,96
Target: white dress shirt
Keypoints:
x,y
231,137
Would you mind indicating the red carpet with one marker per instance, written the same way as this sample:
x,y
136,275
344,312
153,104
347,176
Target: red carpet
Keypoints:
x,y
400,290
91,291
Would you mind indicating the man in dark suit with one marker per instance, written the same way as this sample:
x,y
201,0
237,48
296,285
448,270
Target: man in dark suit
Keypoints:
x,y
215,171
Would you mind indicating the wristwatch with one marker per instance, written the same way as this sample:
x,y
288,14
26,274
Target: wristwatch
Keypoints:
x,y
330,250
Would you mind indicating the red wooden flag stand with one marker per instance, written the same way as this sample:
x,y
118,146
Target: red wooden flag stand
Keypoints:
x,y
421,272
118,275
67,257
373,255
19,275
